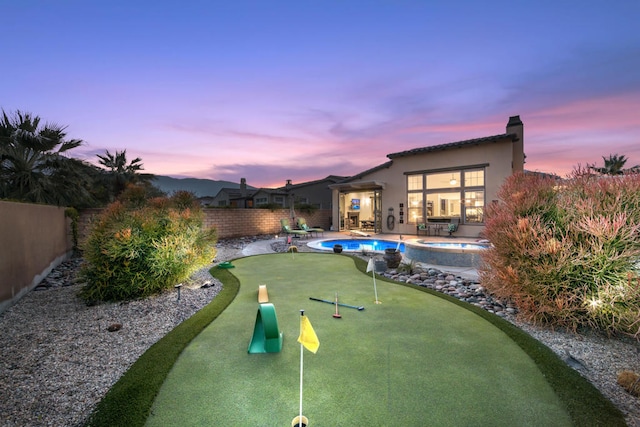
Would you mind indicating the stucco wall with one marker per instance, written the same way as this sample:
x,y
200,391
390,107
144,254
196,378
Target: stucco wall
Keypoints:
x,y
34,239
496,158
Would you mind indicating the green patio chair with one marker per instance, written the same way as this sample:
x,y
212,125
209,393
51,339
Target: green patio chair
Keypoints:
x,y
302,224
286,228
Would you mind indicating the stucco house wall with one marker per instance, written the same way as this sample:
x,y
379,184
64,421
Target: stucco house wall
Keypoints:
x,y
499,156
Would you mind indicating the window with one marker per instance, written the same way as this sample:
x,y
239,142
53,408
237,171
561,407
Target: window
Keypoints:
x,y
443,180
474,206
445,195
445,205
415,209
474,178
415,182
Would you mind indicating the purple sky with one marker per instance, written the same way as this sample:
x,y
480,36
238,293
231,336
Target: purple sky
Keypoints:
x,y
277,90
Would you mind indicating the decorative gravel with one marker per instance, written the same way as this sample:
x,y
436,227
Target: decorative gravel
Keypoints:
x,y
58,356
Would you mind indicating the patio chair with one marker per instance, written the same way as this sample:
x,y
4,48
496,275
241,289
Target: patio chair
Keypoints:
x,y
452,227
302,224
286,228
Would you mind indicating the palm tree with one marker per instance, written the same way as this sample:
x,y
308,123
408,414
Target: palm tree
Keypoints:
x,y
614,165
120,173
34,166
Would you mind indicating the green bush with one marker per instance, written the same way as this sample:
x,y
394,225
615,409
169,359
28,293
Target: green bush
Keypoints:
x,y
74,216
568,253
136,250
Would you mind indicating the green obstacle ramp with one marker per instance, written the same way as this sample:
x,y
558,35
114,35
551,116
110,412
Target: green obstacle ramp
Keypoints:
x,y
267,337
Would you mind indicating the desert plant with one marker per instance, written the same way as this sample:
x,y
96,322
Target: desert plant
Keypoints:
x,y
138,251
407,267
567,254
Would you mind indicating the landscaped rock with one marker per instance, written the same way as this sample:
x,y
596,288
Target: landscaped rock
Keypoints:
x,y
458,287
114,327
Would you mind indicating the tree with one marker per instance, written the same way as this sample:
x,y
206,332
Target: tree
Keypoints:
x,y
34,166
614,165
120,174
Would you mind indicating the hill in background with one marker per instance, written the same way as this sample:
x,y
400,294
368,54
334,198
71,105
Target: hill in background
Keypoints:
x,y
197,186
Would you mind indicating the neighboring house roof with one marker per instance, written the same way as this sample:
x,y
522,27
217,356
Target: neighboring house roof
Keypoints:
x,y
367,172
237,193
332,178
275,191
458,144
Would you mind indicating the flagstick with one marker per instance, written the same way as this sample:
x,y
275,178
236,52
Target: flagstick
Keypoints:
x,y
373,275
375,289
301,372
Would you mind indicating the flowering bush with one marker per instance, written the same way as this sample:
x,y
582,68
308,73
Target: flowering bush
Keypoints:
x,y
568,253
137,250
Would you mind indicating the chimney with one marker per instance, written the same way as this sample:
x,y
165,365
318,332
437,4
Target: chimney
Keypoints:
x,y
243,187
515,127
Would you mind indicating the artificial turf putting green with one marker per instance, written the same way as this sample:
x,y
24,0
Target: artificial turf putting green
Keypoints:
x,y
415,359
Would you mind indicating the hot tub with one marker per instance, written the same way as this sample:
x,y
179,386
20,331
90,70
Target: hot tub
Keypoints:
x,y
453,254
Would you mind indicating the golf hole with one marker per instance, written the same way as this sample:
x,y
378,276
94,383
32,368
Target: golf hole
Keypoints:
x,y
296,422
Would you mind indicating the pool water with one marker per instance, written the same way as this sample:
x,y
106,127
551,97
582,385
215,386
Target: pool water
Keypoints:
x,y
356,245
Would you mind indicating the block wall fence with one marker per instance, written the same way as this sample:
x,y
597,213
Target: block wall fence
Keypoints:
x,y
34,239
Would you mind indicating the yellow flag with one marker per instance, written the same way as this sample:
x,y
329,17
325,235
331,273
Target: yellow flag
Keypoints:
x,y
308,336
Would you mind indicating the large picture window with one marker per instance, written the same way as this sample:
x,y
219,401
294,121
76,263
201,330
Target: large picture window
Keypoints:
x,y
440,196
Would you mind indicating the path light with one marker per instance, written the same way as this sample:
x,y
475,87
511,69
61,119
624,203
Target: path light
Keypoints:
x,y
178,286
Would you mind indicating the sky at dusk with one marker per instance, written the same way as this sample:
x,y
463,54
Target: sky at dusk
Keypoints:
x,y
277,90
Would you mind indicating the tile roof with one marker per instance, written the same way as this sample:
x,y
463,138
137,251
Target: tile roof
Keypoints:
x,y
458,144
366,172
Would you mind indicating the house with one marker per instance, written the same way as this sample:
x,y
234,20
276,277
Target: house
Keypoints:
x,y
270,196
314,193
445,183
232,197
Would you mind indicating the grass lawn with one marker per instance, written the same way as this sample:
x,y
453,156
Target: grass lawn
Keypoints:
x,y
419,358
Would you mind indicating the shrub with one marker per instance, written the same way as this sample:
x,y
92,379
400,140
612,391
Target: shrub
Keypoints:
x,y
568,254
407,267
74,216
135,251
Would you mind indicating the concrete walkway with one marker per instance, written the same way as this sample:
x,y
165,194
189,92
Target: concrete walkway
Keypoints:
x,y
264,247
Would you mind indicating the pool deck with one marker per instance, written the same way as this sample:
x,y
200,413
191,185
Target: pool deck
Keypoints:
x,y
264,247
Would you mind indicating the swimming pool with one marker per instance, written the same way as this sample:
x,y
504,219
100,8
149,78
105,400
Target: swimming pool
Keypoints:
x,y
356,245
